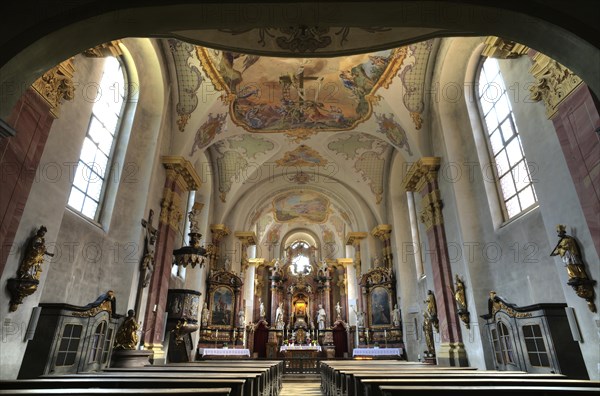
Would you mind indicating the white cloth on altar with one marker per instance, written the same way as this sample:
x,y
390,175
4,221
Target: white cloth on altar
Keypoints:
x,y
224,352
377,352
284,348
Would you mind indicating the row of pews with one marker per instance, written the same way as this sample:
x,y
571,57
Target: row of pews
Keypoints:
x,y
206,378
393,377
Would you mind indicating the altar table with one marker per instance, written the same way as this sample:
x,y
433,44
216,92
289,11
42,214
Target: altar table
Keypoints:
x,y
224,352
377,352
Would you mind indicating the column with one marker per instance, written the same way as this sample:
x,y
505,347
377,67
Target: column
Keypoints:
x,y
422,178
251,288
574,112
383,232
219,231
181,177
354,238
20,154
247,239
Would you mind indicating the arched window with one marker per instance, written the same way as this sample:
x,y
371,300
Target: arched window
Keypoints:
x,y
511,170
89,183
300,258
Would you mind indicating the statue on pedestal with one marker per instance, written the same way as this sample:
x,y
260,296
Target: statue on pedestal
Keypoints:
x,y
396,316
127,337
321,314
204,315
338,311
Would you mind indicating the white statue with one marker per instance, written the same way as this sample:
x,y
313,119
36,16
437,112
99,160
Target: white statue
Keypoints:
x,y
396,316
360,317
204,315
338,311
279,317
321,317
261,308
241,318
227,263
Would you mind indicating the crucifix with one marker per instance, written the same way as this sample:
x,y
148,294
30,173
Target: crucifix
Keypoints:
x,y
147,263
301,78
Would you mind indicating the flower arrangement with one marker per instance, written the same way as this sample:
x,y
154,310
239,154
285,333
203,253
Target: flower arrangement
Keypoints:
x,y
225,345
376,345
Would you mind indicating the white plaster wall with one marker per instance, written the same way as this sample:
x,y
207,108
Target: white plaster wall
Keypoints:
x,y
45,206
559,204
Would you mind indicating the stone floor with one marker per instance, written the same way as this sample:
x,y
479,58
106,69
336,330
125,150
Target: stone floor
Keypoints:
x,y
301,385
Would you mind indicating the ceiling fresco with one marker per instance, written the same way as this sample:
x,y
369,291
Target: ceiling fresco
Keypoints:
x,y
302,156
189,80
268,94
308,206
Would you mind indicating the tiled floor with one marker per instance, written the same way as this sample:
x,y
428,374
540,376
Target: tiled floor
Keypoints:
x,y
301,385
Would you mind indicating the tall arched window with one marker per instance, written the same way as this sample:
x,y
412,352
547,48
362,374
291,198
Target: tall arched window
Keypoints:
x,y
89,183
514,178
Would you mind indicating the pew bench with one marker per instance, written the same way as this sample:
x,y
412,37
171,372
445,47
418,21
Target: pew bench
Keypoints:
x,y
428,390
121,391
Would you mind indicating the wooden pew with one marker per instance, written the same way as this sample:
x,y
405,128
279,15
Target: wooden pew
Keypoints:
x,y
249,387
275,368
261,386
428,390
122,391
524,383
235,385
364,383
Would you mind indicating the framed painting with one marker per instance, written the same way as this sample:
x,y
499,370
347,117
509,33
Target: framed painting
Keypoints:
x,y
380,302
222,306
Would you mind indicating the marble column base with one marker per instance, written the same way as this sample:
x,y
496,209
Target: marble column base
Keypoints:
x,y
452,354
126,358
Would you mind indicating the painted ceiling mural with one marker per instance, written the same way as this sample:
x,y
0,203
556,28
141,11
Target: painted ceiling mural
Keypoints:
x,y
212,127
232,156
268,94
298,205
302,156
413,80
393,130
189,80
367,152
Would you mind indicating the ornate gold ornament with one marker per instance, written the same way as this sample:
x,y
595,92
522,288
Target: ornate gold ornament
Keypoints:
x,y
461,300
496,47
554,82
111,48
104,303
431,310
56,85
495,304
127,334
420,173
29,271
431,210
568,250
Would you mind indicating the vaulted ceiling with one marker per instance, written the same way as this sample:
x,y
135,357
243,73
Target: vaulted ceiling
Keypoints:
x,y
300,143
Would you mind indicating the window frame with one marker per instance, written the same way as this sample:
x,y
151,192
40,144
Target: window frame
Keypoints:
x,y
502,200
116,138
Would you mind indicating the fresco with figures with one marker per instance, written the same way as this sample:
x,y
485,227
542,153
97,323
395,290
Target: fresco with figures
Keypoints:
x,y
280,95
301,206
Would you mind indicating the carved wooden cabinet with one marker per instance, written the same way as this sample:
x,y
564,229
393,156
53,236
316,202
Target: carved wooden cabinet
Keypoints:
x,y
535,338
70,339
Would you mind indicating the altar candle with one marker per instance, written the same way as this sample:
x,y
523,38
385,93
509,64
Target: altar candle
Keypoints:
x,y
384,333
217,334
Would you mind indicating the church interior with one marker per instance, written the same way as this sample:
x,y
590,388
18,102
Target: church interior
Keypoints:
x,y
221,190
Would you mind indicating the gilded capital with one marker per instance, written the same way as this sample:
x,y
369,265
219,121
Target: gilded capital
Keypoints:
x,y
219,231
496,47
354,238
420,173
345,261
246,237
182,171
56,85
111,48
431,210
382,231
554,82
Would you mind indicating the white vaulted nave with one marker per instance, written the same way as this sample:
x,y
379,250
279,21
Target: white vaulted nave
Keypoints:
x,y
300,183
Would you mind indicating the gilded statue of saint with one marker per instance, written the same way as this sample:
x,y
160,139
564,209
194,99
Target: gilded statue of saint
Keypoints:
x,y
31,266
127,337
459,293
568,250
428,332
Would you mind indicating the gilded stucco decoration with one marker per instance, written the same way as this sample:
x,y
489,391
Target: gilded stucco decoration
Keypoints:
x,y
554,82
496,47
302,155
189,80
213,126
56,86
299,95
393,131
301,205
413,79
